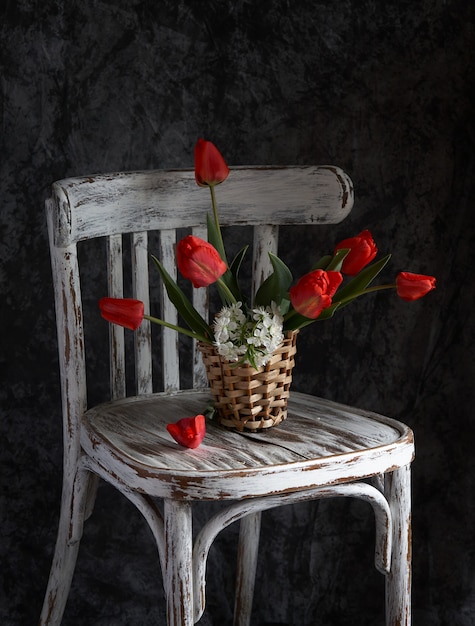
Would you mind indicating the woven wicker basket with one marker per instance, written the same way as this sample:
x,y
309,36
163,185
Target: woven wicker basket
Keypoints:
x,y
248,398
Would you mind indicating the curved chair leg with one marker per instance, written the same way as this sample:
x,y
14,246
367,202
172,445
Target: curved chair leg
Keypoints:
x,y
91,495
249,532
71,520
249,537
145,504
398,580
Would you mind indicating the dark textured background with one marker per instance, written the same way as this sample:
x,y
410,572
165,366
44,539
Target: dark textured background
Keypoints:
x,y
381,89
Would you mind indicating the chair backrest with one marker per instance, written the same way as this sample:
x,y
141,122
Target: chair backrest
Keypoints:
x,y
136,203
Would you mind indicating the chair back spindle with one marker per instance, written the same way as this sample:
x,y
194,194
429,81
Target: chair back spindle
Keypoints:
x,y
170,339
115,285
265,240
143,334
200,301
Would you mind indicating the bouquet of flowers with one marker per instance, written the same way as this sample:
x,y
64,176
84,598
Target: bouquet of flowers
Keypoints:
x,y
248,329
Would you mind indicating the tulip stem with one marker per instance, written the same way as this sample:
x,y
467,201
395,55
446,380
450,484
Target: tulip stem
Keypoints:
x,y
179,329
221,250
290,314
227,291
364,292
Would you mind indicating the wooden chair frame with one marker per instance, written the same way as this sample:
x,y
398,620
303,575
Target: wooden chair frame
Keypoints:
x,y
322,450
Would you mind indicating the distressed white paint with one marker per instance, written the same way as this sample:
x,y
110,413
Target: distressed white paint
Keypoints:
x,y
248,552
323,449
115,282
127,202
301,452
71,349
265,241
398,581
143,335
178,569
170,373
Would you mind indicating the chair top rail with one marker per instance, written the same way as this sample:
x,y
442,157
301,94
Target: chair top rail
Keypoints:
x,y
106,204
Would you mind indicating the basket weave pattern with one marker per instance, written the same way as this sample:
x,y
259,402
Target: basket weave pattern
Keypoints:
x,y
249,398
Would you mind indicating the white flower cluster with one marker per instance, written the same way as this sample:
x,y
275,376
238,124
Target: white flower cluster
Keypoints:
x,y
248,339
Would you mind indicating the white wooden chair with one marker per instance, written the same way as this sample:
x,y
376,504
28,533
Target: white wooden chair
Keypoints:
x,y
323,449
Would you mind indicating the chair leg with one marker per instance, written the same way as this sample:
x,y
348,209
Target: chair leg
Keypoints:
x,y
71,520
398,581
249,532
178,563
91,495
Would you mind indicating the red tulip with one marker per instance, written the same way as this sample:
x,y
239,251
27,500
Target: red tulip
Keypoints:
x,y
411,287
189,431
210,167
362,251
125,312
314,292
199,261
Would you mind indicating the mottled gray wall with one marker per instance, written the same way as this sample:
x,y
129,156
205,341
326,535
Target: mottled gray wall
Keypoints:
x,y
379,88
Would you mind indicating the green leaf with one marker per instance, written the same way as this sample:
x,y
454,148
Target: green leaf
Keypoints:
x,y
237,261
214,237
232,281
332,263
183,305
329,312
230,276
179,329
296,320
284,305
275,288
337,260
228,280
359,283
323,263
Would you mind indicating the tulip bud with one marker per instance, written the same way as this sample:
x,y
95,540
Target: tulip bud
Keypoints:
x,y
362,251
199,261
411,287
125,312
189,431
314,292
210,167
